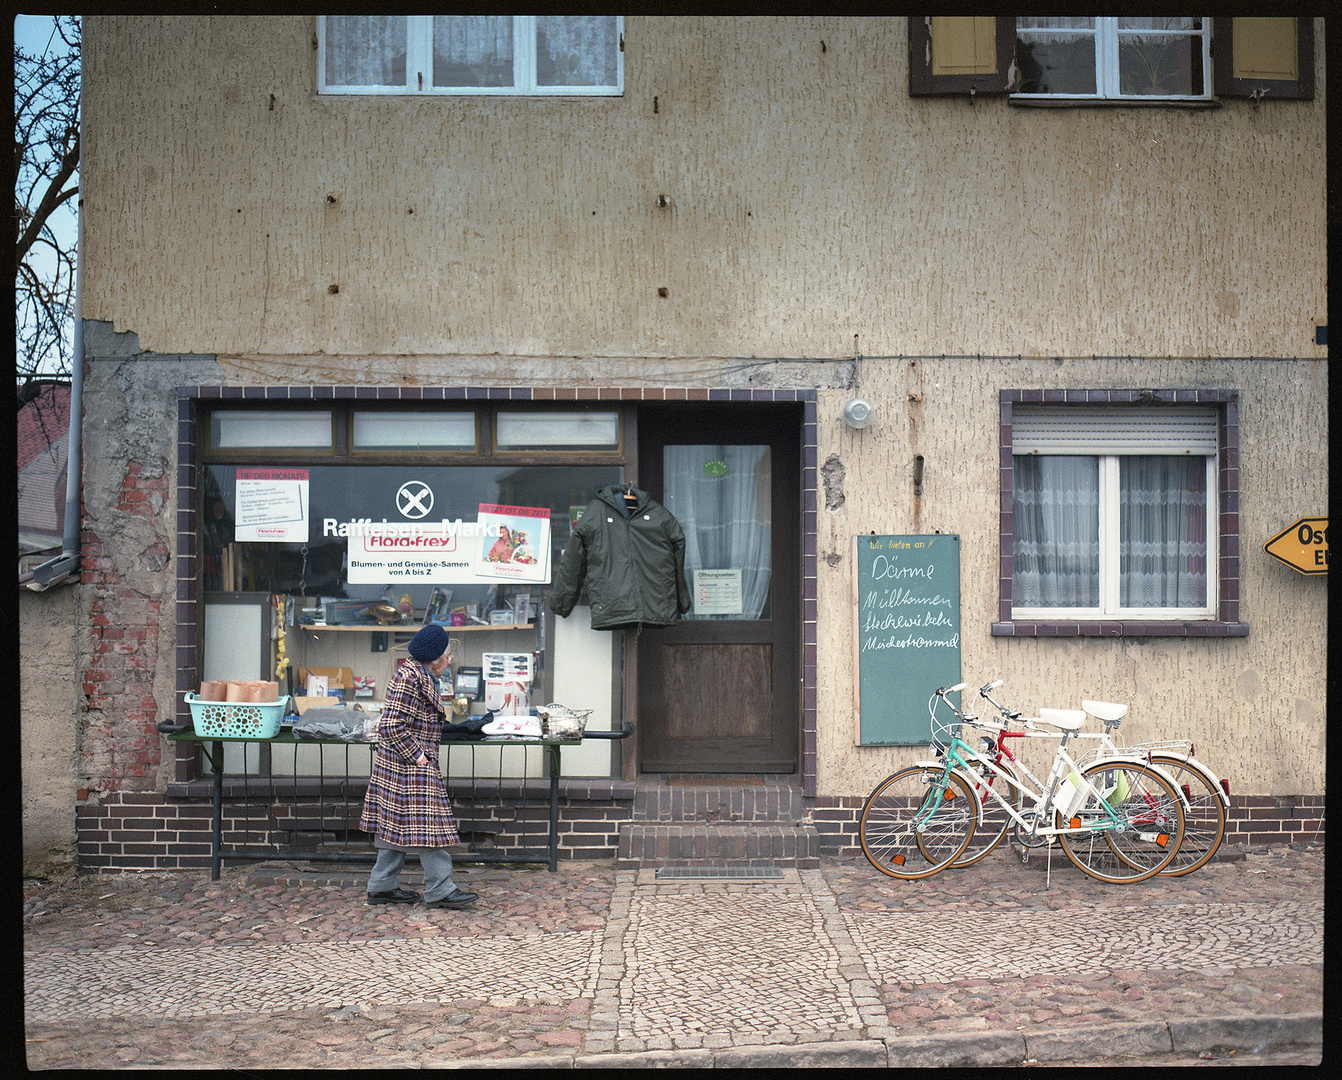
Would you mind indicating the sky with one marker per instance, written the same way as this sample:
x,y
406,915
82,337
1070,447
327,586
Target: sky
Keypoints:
x,y
34,33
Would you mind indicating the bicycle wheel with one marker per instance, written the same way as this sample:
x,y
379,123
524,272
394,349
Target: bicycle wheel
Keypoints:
x,y
1149,828
1204,820
916,822
993,820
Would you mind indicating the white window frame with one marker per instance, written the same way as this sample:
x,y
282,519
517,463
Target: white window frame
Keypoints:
x,y
419,66
1109,536
1107,35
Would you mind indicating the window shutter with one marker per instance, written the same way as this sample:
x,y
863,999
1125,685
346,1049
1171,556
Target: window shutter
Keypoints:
x,y
1119,429
1263,58
961,54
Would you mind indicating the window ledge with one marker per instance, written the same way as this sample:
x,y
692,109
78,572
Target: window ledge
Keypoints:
x,y
1114,103
1119,628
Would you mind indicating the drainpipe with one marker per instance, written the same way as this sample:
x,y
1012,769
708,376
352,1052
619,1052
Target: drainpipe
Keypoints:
x,y
56,571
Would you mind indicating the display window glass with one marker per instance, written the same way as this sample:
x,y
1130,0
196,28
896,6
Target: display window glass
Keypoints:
x,y
341,550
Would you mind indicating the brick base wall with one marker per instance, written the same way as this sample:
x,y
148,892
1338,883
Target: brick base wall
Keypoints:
x,y
150,831
1251,821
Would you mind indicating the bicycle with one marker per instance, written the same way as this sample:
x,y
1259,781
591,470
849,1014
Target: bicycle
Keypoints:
x,y
1118,820
1206,796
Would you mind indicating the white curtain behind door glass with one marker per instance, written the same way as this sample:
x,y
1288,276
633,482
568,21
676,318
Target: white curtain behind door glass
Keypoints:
x,y
725,512
1055,508
1162,518
365,50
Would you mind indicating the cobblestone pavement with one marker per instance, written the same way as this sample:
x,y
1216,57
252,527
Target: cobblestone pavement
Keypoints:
x,y
284,966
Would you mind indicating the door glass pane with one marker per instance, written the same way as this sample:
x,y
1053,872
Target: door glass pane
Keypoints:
x,y
721,497
576,50
365,50
1056,511
472,50
1162,521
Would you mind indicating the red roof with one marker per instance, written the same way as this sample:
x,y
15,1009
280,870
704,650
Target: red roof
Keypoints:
x,y
43,421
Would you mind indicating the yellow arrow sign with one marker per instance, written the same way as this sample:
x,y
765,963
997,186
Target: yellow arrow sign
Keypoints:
x,y
1303,546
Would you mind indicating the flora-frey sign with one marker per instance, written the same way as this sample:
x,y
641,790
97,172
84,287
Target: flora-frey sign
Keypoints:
x,y
438,552
1302,546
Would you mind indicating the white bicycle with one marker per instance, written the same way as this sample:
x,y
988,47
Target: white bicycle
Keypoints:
x,y
1206,795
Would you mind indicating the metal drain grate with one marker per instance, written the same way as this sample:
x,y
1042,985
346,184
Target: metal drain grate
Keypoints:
x,y
718,873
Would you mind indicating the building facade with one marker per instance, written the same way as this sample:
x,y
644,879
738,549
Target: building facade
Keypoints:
x,y
1084,341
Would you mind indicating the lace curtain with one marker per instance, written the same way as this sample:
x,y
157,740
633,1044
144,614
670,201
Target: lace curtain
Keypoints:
x,y
1056,554
365,50
725,513
1162,514
1162,531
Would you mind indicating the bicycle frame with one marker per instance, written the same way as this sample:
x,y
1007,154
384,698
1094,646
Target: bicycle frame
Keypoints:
x,y
1183,749
960,757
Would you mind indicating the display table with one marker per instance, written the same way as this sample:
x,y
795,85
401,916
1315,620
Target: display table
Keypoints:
x,y
284,799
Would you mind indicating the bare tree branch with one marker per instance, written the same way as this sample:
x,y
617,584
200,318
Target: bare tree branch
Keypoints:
x,y
46,163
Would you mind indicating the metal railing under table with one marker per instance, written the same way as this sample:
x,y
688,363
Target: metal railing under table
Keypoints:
x,y
321,804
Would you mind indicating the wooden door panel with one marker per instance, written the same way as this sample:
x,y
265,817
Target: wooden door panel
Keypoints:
x,y
698,679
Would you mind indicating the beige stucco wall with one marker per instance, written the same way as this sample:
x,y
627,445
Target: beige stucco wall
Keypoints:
x,y
1255,706
49,722
811,200
814,209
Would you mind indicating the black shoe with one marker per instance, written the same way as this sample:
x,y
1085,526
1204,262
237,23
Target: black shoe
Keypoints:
x,y
457,898
396,896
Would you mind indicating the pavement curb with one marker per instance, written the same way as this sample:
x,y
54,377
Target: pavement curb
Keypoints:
x,y
972,1049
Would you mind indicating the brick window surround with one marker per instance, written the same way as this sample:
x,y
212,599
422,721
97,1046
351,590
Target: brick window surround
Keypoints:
x,y
192,400
1227,622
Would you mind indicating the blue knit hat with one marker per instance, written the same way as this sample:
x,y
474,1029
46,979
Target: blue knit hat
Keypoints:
x,y
429,644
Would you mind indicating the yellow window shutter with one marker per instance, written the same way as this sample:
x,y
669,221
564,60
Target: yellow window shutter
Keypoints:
x,y
964,45
1265,49
1263,59
961,54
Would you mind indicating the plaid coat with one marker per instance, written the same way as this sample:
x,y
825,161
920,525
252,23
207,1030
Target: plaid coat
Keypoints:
x,y
406,804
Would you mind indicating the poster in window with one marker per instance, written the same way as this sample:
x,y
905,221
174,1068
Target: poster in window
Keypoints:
x,y
516,543
272,505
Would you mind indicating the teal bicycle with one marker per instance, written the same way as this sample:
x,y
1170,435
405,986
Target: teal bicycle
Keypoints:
x,y
1119,820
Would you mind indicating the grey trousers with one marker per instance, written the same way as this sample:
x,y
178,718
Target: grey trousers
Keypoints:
x,y
436,862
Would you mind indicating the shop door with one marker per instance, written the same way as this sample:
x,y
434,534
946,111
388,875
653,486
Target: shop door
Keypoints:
x,y
718,690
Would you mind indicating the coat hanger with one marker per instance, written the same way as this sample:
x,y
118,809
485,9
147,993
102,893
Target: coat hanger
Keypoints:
x,y
629,497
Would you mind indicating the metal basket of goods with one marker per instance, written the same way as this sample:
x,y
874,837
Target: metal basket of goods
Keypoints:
x,y
236,718
561,722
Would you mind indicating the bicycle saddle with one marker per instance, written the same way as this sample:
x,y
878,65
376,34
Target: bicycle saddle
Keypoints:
x,y
1105,710
1067,719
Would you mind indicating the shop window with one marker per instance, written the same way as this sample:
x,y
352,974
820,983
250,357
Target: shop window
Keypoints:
x,y
1119,518
412,431
242,429
558,430
471,54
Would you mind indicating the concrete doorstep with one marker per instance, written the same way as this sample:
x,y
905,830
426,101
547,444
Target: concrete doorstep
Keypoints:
x,y
1102,1044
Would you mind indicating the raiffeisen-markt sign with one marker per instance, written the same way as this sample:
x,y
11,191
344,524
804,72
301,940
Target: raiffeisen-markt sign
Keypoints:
x,y
1302,546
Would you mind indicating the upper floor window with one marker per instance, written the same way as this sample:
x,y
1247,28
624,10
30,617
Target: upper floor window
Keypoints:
x,y
470,54
1110,61
1113,58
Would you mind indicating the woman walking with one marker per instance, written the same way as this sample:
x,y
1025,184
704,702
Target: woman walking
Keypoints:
x,y
406,808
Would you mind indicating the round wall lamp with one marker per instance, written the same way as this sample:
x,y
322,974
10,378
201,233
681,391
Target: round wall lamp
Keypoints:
x,y
857,413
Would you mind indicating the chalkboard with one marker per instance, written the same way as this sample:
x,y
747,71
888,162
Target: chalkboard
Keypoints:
x,y
906,633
